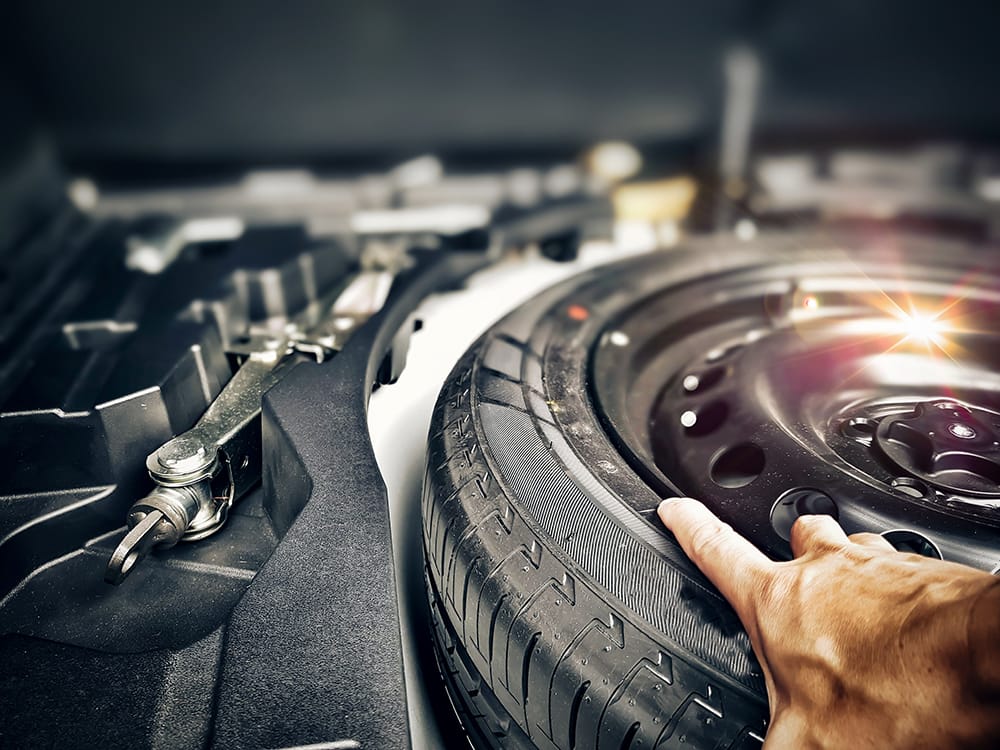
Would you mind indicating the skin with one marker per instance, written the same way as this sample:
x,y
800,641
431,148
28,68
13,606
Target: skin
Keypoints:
x,y
861,646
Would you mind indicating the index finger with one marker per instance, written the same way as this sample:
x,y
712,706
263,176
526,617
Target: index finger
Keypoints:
x,y
732,563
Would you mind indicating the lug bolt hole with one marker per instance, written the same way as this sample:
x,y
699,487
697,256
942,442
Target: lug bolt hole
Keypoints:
x,y
910,487
859,428
800,501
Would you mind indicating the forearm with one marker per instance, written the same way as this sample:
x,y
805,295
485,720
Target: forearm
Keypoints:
x,y
958,657
984,646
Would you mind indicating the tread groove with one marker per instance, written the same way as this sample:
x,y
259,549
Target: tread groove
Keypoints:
x,y
465,591
574,713
493,627
528,653
630,735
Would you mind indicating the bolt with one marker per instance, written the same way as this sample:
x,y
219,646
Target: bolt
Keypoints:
x,y
179,450
183,454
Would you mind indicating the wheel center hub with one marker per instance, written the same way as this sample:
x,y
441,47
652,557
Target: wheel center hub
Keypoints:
x,y
962,430
952,446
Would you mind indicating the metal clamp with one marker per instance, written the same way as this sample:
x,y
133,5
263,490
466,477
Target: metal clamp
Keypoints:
x,y
201,473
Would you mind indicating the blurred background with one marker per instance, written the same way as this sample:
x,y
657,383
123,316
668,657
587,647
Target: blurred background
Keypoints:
x,y
135,87
154,92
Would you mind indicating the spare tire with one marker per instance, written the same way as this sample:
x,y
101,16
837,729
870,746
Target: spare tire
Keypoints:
x,y
754,376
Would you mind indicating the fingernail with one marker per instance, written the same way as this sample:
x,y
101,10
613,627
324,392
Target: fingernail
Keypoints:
x,y
667,501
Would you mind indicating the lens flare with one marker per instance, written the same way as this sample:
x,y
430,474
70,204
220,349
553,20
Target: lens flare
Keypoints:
x,y
923,328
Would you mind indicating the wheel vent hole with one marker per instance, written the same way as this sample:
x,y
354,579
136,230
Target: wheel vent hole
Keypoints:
x,y
705,420
905,540
738,466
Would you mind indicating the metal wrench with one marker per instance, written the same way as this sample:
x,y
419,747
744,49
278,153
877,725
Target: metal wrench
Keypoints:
x,y
201,473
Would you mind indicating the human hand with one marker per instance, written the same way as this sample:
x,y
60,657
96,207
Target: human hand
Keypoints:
x,y
861,646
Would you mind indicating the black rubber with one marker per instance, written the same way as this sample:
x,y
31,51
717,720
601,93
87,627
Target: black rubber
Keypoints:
x,y
531,648
565,616
479,712
563,619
